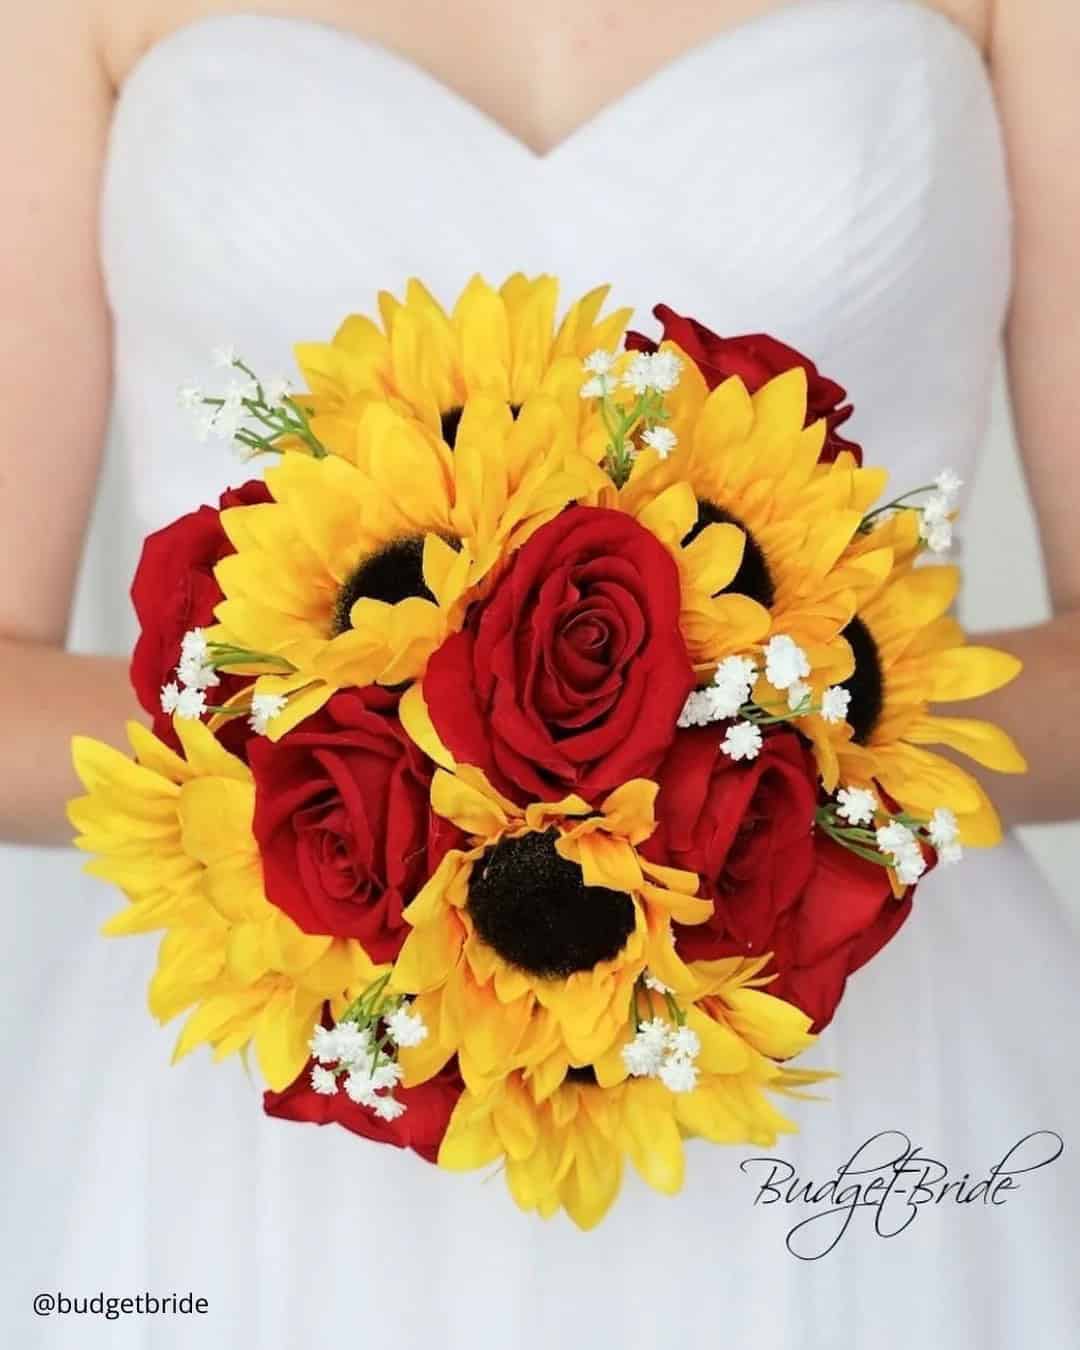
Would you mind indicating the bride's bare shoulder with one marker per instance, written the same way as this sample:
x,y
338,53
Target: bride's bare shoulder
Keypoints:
x,y
129,28
974,16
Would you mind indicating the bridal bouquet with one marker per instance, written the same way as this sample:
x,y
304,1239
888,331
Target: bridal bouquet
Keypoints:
x,y
542,743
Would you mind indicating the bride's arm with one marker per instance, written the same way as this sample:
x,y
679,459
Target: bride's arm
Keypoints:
x,y
1035,56
55,104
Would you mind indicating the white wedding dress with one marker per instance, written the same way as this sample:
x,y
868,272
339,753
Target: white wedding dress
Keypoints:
x,y
831,173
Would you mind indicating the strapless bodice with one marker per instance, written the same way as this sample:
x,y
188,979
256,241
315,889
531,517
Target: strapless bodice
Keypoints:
x,y
831,172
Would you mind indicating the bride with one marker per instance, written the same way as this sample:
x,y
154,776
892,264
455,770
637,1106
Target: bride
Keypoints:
x,y
887,184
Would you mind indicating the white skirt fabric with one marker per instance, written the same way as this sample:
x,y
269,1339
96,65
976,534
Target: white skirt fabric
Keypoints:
x,y
127,1176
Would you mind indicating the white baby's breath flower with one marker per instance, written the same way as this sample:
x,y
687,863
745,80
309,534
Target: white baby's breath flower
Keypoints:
x,y
323,1081
661,439
276,389
797,694
856,805
227,423
697,711
405,1027
599,386
684,1041
170,697
909,865
835,703
323,1044
600,362
937,510
224,355
894,838
386,1074
785,661
194,669
657,986
724,699
264,708
189,396
641,1060
645,1053
191,704
936,533
666,369
388,1108
742,741
351,1043
939,538
679,1075
194,646
196,675
654,1032
657,370
731,686
737,669
947,483
943,828
235,393
359,1089
638,375
902,848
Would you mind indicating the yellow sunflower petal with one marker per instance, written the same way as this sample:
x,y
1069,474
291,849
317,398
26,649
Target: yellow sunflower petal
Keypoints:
x,y
983,742
968,672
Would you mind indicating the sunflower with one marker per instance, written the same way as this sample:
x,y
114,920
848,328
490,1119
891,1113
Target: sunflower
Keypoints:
x,y
528,944
358,569
910,653
564,1146
175,835
501,343
758,527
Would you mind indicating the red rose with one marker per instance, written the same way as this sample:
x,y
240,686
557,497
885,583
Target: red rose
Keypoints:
x,y
570,675
778,885
428,1108
745,828
174,590
846,915
344,823
756,358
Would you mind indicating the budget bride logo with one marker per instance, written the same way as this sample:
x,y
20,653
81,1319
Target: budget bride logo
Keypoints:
x,y
888,1183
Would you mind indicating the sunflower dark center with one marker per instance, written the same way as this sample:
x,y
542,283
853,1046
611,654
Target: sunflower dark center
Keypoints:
x,y
866,685
585,1074
753,577
533,907
393,574
451,420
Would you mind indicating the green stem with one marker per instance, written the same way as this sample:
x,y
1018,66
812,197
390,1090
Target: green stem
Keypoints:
x,y
843,837
304,431
221,654
896,504
677,1014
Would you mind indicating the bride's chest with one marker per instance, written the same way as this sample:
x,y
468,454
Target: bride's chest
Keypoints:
x,y
798,158
841,185
539,72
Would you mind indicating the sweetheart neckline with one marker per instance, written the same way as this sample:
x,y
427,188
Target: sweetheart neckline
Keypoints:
x,y
787,11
